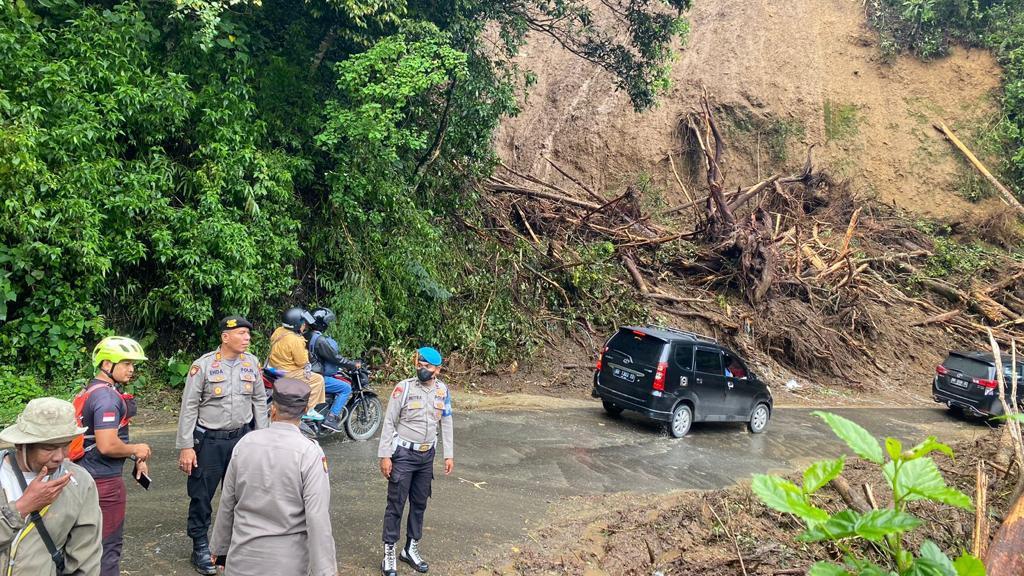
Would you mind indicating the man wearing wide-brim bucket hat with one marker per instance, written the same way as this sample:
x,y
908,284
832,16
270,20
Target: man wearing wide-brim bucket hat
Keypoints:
x,y
50,517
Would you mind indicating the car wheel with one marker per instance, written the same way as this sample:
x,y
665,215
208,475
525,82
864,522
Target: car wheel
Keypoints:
x,y
682,417
610,408
759,419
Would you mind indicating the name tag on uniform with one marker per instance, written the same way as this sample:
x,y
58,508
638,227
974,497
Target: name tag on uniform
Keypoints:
x,y
415,405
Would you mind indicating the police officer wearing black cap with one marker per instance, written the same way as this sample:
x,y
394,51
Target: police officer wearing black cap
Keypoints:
x,y
274,516
223,399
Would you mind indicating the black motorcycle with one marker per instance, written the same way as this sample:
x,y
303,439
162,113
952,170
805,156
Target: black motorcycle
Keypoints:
x,y
361,417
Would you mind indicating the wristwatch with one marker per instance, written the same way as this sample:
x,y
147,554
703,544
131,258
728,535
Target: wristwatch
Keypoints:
x,y
133,458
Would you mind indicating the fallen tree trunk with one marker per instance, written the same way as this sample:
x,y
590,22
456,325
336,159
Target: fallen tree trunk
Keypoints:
x,y
1006,551
1007,196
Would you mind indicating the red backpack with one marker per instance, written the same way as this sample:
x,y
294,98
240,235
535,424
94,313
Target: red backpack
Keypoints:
x,y
77,450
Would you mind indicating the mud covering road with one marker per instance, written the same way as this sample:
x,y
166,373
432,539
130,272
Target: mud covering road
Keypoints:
x,y
510,467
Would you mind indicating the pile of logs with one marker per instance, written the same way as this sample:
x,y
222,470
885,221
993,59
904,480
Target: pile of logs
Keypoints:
x,y
800,238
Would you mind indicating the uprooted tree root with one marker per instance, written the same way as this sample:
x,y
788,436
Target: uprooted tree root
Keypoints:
x,y
831,283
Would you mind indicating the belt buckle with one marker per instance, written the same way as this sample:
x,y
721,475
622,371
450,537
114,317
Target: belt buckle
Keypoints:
x,y
422,447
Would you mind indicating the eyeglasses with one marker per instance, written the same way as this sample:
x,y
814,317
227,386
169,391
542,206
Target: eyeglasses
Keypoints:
x,y
421,363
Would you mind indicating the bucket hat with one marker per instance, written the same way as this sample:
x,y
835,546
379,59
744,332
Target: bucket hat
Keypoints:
x,y
44,421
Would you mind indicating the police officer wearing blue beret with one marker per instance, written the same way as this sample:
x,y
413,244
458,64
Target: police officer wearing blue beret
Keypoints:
x,y
420,409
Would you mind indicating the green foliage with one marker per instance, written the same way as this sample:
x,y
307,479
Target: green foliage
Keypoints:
x,y
163,165
926,27
840,120
106,221
952,258
176,369
16,390
911,474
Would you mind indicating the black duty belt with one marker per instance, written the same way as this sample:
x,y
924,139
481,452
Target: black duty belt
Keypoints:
x,y
222,434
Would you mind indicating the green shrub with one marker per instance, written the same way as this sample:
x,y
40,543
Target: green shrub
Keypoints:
x,y
862,538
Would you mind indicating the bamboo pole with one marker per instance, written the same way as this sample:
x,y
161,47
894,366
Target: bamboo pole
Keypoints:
x,y
1008,196
980,543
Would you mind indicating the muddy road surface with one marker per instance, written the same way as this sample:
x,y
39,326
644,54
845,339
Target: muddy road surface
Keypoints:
x,y
510,468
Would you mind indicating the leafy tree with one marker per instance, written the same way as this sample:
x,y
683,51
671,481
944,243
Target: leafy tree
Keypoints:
x,y
164,164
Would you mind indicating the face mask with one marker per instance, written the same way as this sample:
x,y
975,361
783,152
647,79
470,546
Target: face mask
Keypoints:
x,y
424,374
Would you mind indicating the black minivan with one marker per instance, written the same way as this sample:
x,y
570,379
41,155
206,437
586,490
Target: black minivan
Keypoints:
x,y
966,381
679,377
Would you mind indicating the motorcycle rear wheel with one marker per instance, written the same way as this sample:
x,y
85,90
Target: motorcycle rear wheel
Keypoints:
x,y
366,417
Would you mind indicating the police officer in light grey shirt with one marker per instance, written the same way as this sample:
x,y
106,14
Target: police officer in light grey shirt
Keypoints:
x,y
274,514
223,399
419,411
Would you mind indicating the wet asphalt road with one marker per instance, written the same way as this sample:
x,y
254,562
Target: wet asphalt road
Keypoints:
x,y
510,467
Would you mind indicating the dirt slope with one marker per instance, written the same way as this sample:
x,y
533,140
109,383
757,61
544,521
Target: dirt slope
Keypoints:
x,y
810,66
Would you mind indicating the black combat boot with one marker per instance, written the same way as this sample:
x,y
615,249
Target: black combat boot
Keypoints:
x,y
389,566
201,556
411,556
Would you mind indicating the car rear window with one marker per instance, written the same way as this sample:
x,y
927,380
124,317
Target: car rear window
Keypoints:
x,y
642,348
975,368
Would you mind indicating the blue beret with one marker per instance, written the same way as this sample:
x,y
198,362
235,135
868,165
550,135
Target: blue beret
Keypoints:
x,y
431,355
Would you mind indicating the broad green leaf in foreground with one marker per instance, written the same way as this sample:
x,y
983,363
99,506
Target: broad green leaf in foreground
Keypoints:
x,y
785,496
856,437
821,473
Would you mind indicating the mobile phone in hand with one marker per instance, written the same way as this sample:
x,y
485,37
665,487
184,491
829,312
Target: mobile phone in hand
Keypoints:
x,y
142,479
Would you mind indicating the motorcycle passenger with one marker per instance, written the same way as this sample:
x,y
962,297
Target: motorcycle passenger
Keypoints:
x,y
326,360
289,356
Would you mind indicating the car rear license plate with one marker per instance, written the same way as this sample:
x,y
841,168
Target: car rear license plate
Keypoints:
x,y
624,375
959,383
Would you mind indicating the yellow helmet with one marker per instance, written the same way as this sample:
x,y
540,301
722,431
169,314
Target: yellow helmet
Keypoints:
x,y
116,349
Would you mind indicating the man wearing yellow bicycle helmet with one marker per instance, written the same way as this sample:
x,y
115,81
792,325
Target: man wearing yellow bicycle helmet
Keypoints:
x,y
106,413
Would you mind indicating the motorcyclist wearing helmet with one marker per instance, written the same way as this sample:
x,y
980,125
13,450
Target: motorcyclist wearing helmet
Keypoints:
x,y
288,354
106,414
326,360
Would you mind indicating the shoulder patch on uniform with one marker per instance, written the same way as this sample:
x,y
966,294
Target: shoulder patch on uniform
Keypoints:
x,y
397,392
194,370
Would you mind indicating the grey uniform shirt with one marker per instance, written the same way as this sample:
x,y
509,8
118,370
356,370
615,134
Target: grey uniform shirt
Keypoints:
x,y
221,395
416,413
274,515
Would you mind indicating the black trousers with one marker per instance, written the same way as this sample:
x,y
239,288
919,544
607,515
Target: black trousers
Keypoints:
x,y
213,455
411,473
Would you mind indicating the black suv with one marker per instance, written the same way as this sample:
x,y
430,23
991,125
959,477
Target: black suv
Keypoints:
x,y
967,381
678,378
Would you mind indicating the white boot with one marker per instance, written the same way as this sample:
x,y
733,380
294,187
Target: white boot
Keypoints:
x,y
389,566
411,556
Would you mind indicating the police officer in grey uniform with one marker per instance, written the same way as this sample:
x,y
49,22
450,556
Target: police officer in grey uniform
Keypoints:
x,y
419,409
274,515
223,399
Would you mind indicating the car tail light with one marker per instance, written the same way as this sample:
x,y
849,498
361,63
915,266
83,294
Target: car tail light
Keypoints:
x,y
985,383
659,376
941,370
600,358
